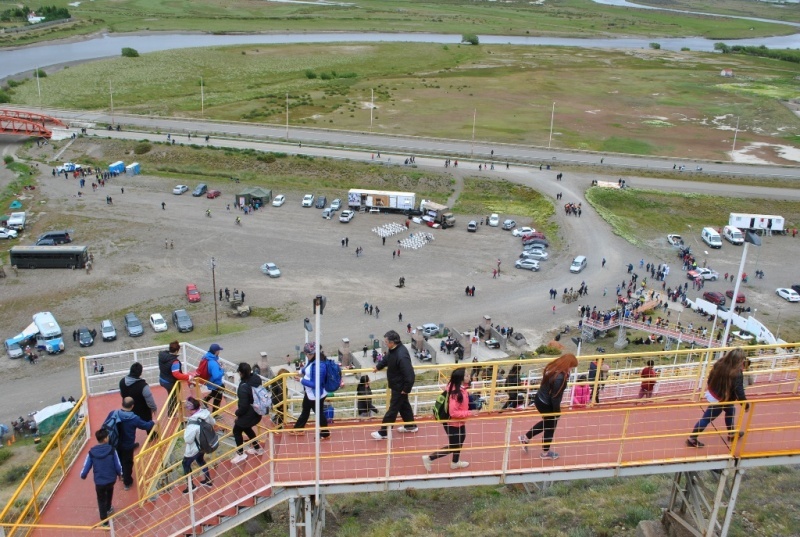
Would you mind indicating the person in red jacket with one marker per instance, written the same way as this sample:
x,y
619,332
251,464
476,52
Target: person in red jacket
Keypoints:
x,y
647,387
458,408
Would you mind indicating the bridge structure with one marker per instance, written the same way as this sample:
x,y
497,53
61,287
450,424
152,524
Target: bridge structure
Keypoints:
x,y
617,437
25,123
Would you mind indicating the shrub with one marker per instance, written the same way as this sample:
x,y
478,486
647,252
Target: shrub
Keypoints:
x,y
15,474
269,158
471,39
40,73
14,83
8,159
4,97
311,75
685,49
545,349
128,52
326,76
5,454
142,148
655,46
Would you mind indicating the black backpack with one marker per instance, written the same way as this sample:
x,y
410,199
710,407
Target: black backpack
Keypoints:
x,y
207,440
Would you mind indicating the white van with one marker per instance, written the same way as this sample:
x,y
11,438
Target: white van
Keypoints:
x,y
578,264
711,237
733,235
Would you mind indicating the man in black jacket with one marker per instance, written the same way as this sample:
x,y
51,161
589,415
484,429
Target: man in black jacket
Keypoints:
x,y
246,416
135,387
400,377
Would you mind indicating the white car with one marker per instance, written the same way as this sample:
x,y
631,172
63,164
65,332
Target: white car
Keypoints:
x,y
271,270
346,216
308,200
539,255
336,204
428,329
703,273
494,220
6,233
527,264
790,295
508,225
522,231
279,200
180,189
158,323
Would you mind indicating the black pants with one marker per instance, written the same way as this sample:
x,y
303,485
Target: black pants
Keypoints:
x,y
126,460
397,404
455,440
216,396
308,406
547,425
237,436
105,493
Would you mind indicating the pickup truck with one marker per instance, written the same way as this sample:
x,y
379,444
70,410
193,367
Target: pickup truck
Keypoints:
x,y
17,221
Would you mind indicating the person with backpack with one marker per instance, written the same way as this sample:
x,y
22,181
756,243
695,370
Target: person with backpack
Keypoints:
x,y
548,402
456,430
103,459
126,424
191,438
170,372
246,415
210,371
400,377
135,387
314,389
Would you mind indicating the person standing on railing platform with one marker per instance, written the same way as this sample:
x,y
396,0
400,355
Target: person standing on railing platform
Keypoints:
x,y
170,372
458,408
191,441
246,416
648,385
548,403
400,378
129,422
725,384
103,459
135,387
313,389
215,377
364,402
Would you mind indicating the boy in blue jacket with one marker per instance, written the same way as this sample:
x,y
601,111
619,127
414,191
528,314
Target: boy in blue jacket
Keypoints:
x,y
107,468
215,377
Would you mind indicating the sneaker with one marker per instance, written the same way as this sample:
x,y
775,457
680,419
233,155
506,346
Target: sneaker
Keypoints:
x,y
110,510
552,455
378,436
239,458
459,464
426,462
252,451
694,442
409,429
186,490
127,487
324,438
207,483
524,441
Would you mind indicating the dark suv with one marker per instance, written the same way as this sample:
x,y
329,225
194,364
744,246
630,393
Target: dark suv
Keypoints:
x,y
201,189
58,237
182,321
321,201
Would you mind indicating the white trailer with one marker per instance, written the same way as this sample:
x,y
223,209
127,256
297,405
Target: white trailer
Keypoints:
x,y
17,221
380,200
757,222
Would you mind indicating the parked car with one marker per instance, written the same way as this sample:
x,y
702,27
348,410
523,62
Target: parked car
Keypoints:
x,y
158,323
472,226
133,325
790,295
527,264
539,255
199,190
108,331
336,204
494,220
533,235
522,231
543,242
6,233
271,270
58,237
346,216
86,337
703,273
192,294
213,194
14,350
308,200
508,225
182,321
321,201
714,297
675,240
328,213
536,244
739,299
796,288
428,329
279,200
45,242
180,189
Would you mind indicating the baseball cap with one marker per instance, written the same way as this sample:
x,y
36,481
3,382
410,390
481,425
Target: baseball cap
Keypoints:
x,y
214,348
310,348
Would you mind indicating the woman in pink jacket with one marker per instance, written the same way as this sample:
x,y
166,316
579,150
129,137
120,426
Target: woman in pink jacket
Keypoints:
x,y
458,408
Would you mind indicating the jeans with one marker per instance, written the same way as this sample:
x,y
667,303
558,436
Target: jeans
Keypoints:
x,y
126,460
237,437
200,458
105,493
308,406
547,425
456,434
397,404
710,415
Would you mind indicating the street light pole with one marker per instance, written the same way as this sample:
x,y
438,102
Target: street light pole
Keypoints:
x,y
749,238
287,116
111,93
319,305
474,117
552,117
214,291
735,132
371,109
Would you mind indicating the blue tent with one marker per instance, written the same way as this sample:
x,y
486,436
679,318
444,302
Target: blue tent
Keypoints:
x,y
16,205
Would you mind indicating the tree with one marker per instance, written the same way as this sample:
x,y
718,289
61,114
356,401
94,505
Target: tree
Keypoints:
x,y
655,46
471,39
128,52
722,47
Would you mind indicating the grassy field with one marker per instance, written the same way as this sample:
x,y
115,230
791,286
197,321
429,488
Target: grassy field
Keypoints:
x,y
578,18
643,102
743,8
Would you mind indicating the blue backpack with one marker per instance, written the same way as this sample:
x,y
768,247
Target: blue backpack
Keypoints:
x,y
333,376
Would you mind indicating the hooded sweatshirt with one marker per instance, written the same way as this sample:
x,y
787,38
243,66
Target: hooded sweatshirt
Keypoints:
x,y
144,405
215,372
106,464
192,431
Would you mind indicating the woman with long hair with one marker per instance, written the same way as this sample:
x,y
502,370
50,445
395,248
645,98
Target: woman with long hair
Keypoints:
x,y
548,403
725,384
458,408
364,399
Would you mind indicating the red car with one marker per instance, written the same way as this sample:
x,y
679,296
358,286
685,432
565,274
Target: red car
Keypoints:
x,y
213,194
739,299
192,294
714,298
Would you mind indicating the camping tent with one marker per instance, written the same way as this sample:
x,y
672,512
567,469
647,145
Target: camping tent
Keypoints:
x,y
16,204
255,195
51,417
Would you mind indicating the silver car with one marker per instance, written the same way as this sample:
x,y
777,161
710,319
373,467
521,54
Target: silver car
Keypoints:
x,y
527,264
539,255
108,331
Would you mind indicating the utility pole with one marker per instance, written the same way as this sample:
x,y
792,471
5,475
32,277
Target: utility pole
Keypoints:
x,y
202,99
287,116
111,93
735,132
371,109
39,88
214,291
474,116
552,117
